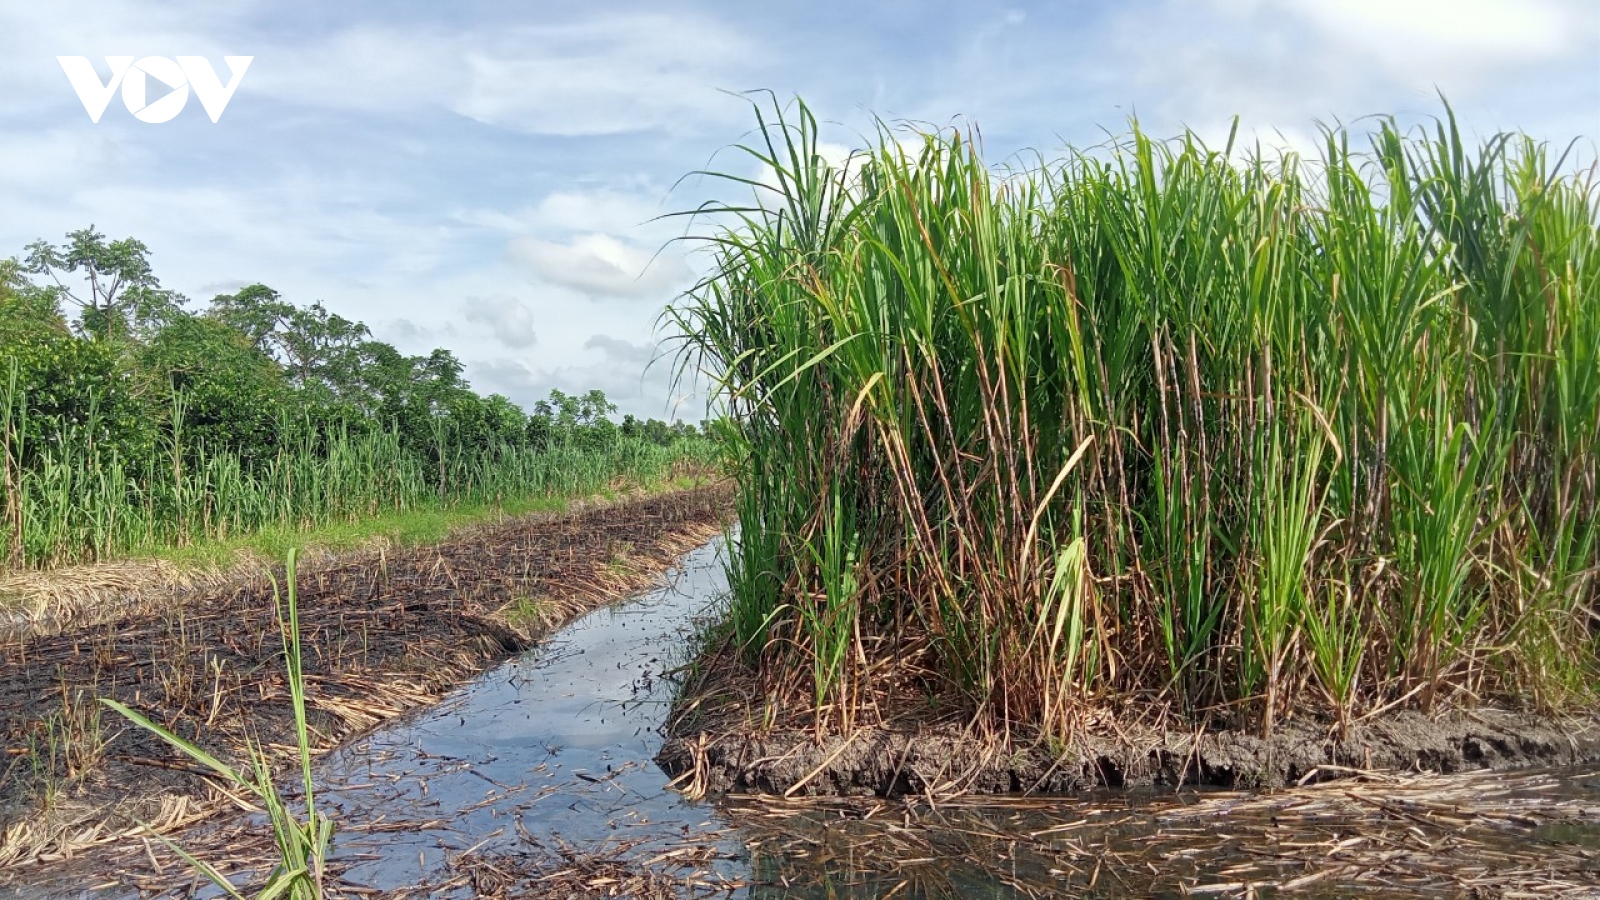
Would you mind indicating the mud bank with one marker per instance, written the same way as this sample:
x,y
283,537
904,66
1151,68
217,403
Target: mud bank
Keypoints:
x,y
945,759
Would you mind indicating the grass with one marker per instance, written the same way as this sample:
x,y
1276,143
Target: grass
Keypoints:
x,y
405,528
302,842
70,500
1209,431
71,743
48,599
528,613
42,602
428,524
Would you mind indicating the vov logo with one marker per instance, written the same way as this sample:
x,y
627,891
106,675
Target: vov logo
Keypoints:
x,y
152,105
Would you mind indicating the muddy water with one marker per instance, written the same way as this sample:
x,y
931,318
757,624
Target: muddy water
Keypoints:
x,y
556,743
552,751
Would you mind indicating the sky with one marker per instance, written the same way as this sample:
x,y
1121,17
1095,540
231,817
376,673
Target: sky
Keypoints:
x,y
489,177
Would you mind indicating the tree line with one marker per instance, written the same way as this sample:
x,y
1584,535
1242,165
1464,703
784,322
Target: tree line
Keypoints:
x,y
103,368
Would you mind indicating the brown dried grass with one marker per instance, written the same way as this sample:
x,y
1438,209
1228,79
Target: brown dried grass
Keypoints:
x,y
37,603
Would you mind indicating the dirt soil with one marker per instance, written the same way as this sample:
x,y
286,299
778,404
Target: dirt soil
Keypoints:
x,y
713,748
383,632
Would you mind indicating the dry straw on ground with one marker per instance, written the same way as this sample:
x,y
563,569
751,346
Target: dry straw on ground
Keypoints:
x,y
1478,835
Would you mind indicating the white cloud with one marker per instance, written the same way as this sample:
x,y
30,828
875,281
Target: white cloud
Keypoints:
x,y
407,335
1331,52
549,74
618,367
43,160
33,35
1415,37
638,356
285,227
391,69
600,210
507,319
1284,65
609,75
600,265
633,213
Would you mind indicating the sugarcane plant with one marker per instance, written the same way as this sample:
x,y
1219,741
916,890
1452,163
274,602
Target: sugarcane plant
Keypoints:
x,y
301,839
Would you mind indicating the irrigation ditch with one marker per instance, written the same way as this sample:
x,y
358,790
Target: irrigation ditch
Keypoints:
x,y
534,778
386,631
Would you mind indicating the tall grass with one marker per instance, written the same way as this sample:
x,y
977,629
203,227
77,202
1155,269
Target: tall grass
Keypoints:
x,y
75,501
1224,431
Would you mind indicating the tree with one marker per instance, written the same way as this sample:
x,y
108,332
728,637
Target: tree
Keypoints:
x,y
506,423
25,308
319,351
67,388
230,391
139,388
321,346
560,408
122,293
593,408
259,313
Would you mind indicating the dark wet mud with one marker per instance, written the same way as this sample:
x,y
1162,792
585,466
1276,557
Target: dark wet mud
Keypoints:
x,y
944,759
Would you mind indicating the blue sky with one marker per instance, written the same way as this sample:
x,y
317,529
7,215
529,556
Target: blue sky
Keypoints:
x,y
482,176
